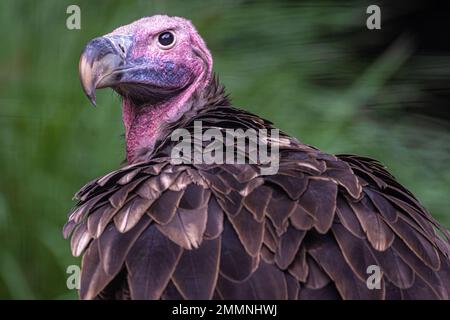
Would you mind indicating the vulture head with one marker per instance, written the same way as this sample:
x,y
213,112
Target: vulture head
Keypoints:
x,y
159,65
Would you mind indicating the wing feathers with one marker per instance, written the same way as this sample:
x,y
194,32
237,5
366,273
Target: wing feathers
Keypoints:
x,y
155,230
151,263
197,271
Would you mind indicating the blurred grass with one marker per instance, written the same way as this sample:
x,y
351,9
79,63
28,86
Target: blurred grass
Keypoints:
x,y
287,62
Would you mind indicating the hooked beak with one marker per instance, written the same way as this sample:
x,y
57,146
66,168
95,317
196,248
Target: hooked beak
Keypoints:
x,y
106,62
101,62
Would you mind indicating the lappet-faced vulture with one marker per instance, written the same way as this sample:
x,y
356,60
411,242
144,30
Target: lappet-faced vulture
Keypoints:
x,y
318,228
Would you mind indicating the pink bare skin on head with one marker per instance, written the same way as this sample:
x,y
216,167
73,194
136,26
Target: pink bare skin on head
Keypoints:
x,y
142,125
157,82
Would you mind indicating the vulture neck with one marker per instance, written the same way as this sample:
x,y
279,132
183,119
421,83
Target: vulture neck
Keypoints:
x,y
145,125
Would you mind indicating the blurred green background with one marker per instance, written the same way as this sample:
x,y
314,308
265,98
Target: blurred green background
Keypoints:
x,y
311,67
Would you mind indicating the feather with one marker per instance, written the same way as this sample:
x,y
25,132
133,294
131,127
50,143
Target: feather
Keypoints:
x,y
155,168
80,240
120,196
270,238
106,215
194,197
288,247
384,207
343,175
249,231
266,283
164,208
182,181
299,268
127,217
93,277
396,270
392,291
231,203
257,201
348,219
356,252
187,227
69,226
422,271
419,291
94,218
114,246
293,186
106,178
83,209
326,293
214,224
279,209
417,243
316,277
292,286
235,263
328,255
267,255
250,186
215,183
171,293
300,218
196,274
149,189
378,233
151,263
128,177
319,200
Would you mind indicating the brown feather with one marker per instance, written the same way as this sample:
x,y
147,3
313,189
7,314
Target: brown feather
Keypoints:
x,y
319,200
328,255
214,224
299,268
249,231
279,209
113,246
293,287
288,247
267,282
80,240
378,233
316,277
257,201
164,209
187,227
417,243
130,214
197,271
348,218
93,278
235,263
151,263
292,186
357,252
422,271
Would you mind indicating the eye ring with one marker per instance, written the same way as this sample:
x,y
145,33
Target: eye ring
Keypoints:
x,y
166,40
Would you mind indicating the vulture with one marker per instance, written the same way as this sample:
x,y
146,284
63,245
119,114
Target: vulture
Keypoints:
x,y
320,227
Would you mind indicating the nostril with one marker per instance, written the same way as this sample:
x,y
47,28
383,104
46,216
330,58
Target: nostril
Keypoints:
x,y
121,48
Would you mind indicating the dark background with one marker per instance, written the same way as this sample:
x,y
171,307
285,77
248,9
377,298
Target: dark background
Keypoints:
x,y
311,67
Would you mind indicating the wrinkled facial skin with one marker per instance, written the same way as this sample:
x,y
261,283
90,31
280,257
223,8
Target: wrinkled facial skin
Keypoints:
x,y
157,82
133,62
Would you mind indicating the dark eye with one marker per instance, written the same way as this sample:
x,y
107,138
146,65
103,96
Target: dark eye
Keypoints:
x,y
166,39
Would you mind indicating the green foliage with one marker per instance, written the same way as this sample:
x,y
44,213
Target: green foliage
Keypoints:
x,y
290,63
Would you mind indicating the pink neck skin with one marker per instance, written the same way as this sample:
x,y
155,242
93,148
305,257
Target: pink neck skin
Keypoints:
x,y
143,124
